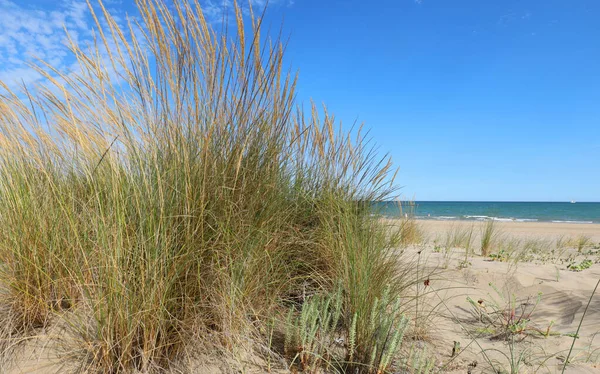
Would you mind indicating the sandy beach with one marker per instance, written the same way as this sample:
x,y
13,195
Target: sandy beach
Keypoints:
x,y
522,229
537,294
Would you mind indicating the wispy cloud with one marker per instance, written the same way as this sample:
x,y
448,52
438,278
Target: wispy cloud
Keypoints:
x,y
512,17
30,32
215,10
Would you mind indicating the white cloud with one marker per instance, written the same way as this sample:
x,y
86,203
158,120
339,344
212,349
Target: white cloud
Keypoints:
x,y
215,10
30,32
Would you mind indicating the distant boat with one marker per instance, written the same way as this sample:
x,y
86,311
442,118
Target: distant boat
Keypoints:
x,y
573,201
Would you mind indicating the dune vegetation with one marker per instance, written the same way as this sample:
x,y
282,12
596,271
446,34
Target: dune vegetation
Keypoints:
x,y
174,199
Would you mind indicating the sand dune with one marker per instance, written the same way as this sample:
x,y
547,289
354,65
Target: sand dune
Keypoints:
x,y
563,295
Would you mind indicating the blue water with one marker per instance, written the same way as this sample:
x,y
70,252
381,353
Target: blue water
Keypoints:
x,y
503,211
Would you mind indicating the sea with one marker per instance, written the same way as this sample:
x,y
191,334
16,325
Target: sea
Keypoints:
x,y
563,212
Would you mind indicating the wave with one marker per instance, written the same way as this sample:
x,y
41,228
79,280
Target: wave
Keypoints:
x,y
501,219
441,218
557,221
498,219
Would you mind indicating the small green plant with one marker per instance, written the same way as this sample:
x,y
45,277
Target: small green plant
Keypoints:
x,y
501,256
504,315
387,327
547,332
585,264
309,337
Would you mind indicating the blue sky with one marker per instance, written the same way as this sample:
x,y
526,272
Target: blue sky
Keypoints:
x,y
474,100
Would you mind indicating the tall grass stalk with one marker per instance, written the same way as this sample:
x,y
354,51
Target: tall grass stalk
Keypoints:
x,y
579,327
172,192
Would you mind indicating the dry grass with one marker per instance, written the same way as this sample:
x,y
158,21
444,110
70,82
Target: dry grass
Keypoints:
x,y
459,236
183,200
489,234
411,231
582,242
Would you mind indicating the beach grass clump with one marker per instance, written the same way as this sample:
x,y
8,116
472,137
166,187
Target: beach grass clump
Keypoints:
x,y
582,242
459,236
534,248
411,231
489,234
562,242
372,277
169,194
562,246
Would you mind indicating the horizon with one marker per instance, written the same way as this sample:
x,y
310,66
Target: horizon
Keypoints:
x,y
473,101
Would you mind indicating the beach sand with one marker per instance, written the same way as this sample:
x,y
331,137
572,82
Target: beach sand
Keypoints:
x,y
563,295
522,229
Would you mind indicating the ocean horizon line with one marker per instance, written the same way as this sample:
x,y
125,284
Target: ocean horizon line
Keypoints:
x,y
523,211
